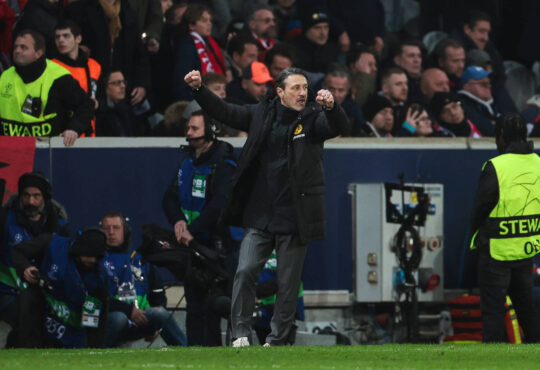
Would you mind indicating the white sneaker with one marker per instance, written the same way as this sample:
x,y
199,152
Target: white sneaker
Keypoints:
x,y
240,342
267,345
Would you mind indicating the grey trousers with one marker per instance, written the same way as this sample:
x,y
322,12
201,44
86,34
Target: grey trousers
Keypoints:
x,y
255,250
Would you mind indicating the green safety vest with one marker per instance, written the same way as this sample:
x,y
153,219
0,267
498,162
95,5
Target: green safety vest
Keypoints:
x,y
14,93
513,226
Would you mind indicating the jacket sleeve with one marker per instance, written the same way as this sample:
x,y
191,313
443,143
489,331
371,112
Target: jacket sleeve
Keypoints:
x,y
185,60
331,123
486,198
23,252
170,203
67,93
233,115
221,184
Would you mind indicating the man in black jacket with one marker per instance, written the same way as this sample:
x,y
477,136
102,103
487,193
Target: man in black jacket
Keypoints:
x,y
277,190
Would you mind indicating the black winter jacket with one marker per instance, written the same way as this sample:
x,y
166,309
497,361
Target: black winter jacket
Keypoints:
x,y
305,155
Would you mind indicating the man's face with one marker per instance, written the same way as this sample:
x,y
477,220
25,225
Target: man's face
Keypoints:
x,y
479,34
396,88
366,63
318,33
65,42
257,91
32,201
263,24
195,129
338,86
24,52
295,91
479,88
114,231
203,25
384,120
410,60
454,62
219,89
434,80
116,87
452,113
279,63
250,55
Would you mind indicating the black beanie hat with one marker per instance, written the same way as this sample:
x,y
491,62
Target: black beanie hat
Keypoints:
x,y
373,105
37,180
89,243
439,100
311,19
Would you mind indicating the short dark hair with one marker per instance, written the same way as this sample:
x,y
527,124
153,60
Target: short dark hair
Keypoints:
x,y
474,16
71,25
255,8
357,51
409,42
440,49
210,78
282,76
338,70
39,40
238,44
512,127
391,71
280,49
194,12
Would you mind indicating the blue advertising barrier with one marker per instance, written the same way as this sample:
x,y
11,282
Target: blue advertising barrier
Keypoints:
x,y
131,175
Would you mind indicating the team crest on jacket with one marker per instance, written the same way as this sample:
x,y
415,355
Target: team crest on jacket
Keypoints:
x,y
298,129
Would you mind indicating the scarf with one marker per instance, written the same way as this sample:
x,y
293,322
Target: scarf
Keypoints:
x,y
112,11
210,57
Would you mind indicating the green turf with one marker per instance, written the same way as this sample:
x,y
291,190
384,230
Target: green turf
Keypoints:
x,y
397,356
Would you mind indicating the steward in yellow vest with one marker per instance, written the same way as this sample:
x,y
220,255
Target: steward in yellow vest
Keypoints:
x,y
39,97
506,226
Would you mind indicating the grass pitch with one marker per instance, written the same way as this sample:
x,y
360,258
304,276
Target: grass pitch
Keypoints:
x,y
396,356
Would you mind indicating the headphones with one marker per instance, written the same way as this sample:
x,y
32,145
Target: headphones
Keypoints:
x,y
123,220
210,128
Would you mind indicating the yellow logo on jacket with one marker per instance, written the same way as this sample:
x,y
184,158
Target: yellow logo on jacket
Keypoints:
x,y
298,129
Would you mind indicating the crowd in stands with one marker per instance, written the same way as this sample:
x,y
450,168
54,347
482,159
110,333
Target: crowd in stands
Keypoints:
x,y
395,71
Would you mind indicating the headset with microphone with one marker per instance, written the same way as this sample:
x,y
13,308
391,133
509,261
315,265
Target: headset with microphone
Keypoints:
x,y
209,128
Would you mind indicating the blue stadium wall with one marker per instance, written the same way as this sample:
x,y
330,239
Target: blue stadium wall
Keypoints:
x,y
131,175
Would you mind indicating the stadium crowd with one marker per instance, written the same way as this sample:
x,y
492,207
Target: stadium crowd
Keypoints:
x,y
406,68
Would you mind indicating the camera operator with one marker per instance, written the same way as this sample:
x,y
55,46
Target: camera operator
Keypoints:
x,y
192,203
67,273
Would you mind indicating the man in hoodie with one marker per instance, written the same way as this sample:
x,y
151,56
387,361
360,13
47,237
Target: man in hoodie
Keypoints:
x,y
192,204
40,98
70,56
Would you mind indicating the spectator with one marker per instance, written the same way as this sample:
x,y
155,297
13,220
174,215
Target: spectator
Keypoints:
x,y
477,99
192,203
338,82
173,121
287,19
195,49
254,84
394,86
380,117
115,116
41,16
138,311
242,51
447,110
111,32
261,25
39,97
314,51
416,123
363,65
433,80
409,57
278,59
70,56
25,216
475,35
73,282
450,57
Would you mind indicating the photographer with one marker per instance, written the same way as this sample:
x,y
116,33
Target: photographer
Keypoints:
x,y
192,203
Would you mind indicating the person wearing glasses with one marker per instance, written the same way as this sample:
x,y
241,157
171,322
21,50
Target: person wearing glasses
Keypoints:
x,y
115,115
477,98
261,25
